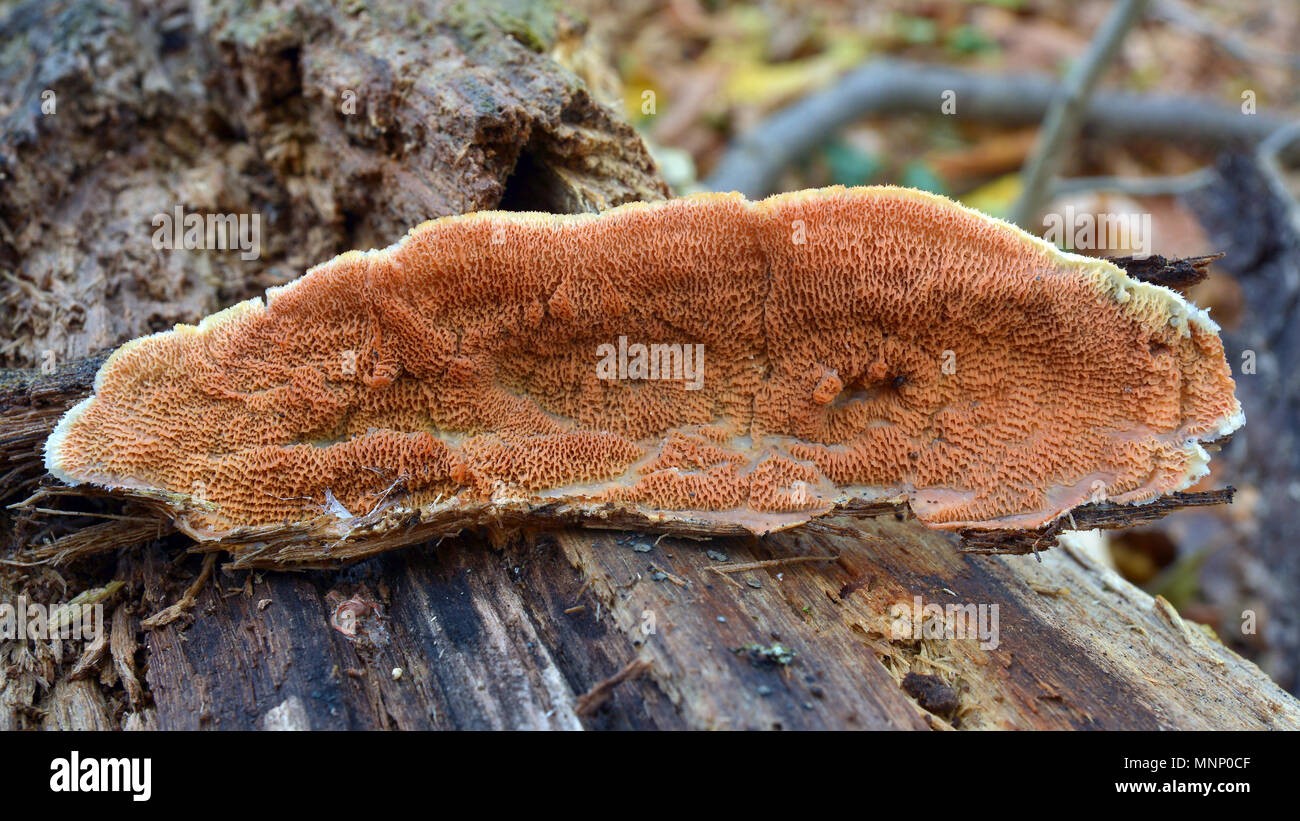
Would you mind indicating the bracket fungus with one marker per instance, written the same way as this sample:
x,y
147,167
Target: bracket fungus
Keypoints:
x,y
867,345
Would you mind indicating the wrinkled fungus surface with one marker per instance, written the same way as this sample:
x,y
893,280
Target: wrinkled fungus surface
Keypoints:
x,y
870,343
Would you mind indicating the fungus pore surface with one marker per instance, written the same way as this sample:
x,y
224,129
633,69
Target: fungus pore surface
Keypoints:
x,y
701,359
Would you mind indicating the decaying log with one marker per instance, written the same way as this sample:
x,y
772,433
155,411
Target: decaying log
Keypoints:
x,y
523,635
459,110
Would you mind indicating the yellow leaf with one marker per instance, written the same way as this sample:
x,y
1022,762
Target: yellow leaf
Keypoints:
x,y
996,198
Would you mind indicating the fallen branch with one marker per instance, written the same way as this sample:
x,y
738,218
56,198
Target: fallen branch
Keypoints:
x,y
1268,154
757,158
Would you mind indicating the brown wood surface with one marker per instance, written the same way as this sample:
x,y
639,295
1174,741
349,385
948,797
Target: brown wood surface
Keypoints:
x,y
515,636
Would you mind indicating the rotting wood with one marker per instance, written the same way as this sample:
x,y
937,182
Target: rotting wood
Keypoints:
x,y
337,130
31,402
483,639
1178,274
95,539
122,647
296,548
1093,516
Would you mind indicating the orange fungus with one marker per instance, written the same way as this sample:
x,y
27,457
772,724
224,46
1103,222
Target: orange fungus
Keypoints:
x,y
701,359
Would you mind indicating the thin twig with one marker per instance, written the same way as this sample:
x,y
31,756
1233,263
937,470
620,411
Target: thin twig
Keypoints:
x,y
175,611
724,577
1171,186
1274,144
743,566
598,695
1066,115
117,516
677,580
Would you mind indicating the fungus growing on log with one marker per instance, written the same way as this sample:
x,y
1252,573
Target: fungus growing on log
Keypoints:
x,y
706,363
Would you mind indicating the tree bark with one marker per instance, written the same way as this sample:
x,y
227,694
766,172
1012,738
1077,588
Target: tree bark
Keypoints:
x,y
339,126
